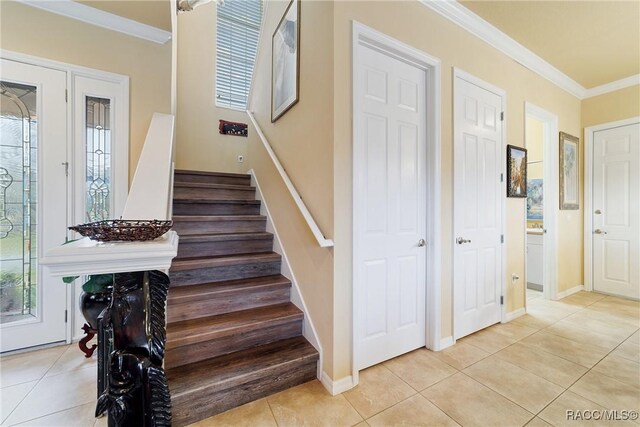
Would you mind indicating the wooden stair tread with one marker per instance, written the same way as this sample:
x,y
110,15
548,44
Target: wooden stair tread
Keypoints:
x,y
182,294
207,328
207,173
224,372
218,261
214,186
203,218
215,201
217,237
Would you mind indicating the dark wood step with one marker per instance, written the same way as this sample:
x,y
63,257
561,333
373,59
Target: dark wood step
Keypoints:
x,y
212,177
200,339
201,390
196,301
191,271
199,245
210,224
198,190
190,206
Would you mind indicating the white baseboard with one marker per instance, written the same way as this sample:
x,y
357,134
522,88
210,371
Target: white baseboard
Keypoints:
x,y
444,343
508,317
336,387
569,291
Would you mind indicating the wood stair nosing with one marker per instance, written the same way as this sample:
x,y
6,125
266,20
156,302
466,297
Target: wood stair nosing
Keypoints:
x,y
191,408
222,372
220,261
185,294
208,173
213,186
225,236
210,298
235,323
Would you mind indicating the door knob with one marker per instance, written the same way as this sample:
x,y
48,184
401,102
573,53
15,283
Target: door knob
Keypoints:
x,y
421,243
598,212
598,231
460,240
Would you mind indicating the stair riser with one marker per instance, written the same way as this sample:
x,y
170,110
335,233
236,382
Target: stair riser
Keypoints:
x,y
181,208
208,179
224,345
206,227
213,193
228,247
228,272
200,404
228,302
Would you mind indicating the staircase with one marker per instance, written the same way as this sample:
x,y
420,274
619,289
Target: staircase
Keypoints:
x,y
233,335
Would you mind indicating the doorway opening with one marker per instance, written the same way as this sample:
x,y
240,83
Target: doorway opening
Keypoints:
x,y
541,136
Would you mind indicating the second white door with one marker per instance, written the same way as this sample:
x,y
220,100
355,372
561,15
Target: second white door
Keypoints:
x,y
389,206
616,211
477,264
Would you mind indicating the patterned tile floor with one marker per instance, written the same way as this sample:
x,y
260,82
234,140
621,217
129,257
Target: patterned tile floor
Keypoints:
x,y
578,354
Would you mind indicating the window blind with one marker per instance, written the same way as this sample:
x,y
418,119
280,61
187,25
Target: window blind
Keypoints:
x,y
237,42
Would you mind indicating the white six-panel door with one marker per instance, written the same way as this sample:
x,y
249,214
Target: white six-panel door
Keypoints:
x,y
616,211
477,264
389,207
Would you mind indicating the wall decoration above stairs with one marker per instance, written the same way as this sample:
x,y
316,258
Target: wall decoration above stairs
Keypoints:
x,y
233,335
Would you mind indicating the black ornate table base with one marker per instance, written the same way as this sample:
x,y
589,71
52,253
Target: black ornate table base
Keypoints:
x,y
132,386
89,333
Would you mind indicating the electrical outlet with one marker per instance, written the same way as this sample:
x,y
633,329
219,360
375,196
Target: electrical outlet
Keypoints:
x,y
240,159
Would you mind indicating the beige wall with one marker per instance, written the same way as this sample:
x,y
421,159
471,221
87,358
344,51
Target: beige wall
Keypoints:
x,y
199,145
35,32
421,28
303,140
618,105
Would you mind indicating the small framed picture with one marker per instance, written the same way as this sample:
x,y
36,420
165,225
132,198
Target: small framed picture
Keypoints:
x,y
516,171
569,169
285,62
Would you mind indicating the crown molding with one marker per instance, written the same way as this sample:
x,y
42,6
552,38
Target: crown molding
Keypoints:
x,y
480,28
613,86
100,18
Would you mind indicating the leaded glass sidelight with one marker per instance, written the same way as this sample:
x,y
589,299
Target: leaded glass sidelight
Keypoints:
x,y
18,201
98,159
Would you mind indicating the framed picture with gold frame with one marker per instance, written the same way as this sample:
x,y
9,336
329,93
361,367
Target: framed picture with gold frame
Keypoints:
x,y
569,172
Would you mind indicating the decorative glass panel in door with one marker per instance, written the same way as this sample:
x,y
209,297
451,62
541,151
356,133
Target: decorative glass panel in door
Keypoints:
x,y
18,201
33,203
98,159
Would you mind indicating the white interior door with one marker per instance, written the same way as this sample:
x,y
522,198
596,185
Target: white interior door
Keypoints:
x,y
477,199
389,206
616,211
33,203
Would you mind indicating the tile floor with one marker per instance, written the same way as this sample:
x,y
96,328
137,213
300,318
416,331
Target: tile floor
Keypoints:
x,y
580,353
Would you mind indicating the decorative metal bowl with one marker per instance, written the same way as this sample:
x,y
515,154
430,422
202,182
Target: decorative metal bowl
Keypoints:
x,y
123,230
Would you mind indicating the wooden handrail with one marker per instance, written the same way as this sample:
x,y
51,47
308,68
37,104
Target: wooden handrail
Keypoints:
x,y
322,241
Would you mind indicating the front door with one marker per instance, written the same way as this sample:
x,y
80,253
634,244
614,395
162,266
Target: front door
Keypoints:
x,y
33,203
389,206
616,211
477,264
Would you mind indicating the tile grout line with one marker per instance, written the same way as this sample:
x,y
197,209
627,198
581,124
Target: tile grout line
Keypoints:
x,y
586,372
35,385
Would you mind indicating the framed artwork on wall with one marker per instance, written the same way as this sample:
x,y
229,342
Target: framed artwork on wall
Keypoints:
x,y
569,172
285,62
516,171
